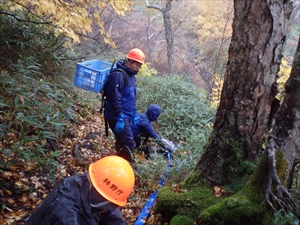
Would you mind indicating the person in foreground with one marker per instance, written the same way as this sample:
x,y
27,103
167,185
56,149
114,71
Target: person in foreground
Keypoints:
x,y
120,110
143,130
91,198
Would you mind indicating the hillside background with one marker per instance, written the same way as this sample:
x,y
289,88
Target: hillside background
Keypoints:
x,y
50,129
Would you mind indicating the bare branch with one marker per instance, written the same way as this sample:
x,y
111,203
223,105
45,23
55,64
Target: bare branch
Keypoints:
x,y
22,20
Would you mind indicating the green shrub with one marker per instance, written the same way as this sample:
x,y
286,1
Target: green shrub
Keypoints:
x,y
181,220
186,119
282,218
185,111
36,96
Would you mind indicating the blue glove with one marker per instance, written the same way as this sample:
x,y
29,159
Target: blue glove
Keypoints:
x,y
120,124
136,118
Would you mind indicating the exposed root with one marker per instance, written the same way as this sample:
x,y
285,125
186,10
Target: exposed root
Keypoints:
x,y
275,190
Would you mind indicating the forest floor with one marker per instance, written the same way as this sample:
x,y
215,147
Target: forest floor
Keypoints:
x,y
22,188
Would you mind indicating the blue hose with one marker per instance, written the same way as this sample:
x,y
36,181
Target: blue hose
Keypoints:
x,y
141,220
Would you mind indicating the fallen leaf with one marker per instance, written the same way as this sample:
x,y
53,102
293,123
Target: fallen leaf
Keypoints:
x,y
8,192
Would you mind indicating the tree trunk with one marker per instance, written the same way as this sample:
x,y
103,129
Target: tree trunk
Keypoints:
x,y
242,121
284,140
279,159
169,36
168,32
248,96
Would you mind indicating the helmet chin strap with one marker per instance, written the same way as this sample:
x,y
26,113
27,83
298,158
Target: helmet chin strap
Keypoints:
x,y
99,204
128,62
96,205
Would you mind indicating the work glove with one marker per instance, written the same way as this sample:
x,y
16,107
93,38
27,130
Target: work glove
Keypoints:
x,y
120,124
136,118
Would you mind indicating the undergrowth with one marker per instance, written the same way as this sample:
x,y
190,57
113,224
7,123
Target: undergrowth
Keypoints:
x,y
39,102
36,95
38,105
186,119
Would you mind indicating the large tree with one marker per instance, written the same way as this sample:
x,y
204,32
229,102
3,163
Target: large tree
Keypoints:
x,y
284,140
248,98
243,119
273,178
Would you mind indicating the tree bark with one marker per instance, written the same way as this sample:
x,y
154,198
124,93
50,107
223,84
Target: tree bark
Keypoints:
x,y
248,93
284,139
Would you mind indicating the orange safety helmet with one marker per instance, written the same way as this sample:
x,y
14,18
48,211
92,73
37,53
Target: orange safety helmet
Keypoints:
x,y
113,178
136,55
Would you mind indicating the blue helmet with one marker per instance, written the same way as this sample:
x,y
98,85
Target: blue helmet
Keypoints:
x,y
153,112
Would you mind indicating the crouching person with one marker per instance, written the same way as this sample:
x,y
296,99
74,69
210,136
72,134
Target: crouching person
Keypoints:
x,y
143,130
92,198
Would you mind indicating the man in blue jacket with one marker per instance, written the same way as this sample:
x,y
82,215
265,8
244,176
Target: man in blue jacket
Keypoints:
x,y
120,110
144,130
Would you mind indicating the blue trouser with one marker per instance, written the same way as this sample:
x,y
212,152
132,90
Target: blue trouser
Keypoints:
x,y
125,138
141,139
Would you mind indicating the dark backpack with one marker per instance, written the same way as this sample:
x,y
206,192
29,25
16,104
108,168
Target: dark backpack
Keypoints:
x,y
104,91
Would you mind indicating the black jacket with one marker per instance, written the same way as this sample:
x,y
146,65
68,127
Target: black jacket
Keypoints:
x,y
69,204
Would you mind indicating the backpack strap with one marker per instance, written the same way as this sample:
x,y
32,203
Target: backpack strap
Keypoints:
x,y
103,101
124,74
106,127
103,92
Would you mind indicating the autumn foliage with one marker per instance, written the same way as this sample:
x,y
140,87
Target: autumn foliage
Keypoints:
x,y
72,18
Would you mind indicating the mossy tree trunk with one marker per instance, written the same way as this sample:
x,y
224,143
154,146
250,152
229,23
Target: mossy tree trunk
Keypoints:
x,y
273,176
285,140
248,100
242,122
243,119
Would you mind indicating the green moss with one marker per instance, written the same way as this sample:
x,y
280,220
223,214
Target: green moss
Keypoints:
x,y
246,207
281,167
190,203
257,183
228,162
181,220
193,179
237,209
256,186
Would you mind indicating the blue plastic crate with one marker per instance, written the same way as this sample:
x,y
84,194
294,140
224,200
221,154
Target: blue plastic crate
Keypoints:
x,y
92,75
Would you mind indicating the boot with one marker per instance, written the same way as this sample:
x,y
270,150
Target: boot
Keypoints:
x,y
126,154
151,152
